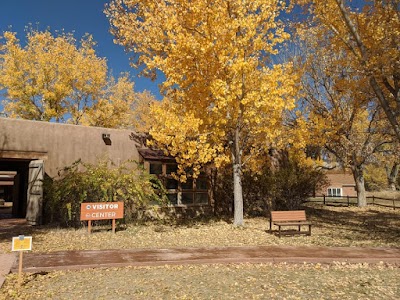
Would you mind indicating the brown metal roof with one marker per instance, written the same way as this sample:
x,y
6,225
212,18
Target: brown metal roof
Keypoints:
x,y
150,154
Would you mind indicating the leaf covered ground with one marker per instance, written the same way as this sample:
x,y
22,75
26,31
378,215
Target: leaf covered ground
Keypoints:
x,y
242,281
332,226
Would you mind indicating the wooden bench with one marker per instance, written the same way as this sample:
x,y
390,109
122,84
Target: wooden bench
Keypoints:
x,y
289,218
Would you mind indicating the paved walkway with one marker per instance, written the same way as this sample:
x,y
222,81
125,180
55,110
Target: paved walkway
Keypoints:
x,y
6,263
41,262
6,225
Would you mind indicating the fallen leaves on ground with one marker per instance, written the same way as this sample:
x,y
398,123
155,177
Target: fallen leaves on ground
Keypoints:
x,y
332,226
243,281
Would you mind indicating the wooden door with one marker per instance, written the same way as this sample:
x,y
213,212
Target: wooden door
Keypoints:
x,y
35,192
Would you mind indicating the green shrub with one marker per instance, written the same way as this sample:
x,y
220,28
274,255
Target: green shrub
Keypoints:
x,y
284,188
84,182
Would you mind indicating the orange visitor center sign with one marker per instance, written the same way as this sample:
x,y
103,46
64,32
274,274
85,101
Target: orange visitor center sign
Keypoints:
x,y
102,210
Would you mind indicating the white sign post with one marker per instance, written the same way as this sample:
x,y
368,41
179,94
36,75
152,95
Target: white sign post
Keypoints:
x,y
21,243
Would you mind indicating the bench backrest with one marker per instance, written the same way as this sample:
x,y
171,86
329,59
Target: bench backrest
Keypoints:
x,y
290,215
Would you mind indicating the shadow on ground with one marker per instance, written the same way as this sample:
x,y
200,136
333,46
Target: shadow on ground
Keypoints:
x,y
11,227
365,223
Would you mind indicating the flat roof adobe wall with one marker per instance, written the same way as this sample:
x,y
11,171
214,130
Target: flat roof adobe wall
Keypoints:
x,y
62,144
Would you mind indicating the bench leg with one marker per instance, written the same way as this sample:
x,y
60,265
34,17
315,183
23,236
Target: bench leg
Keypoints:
x,y
279,231
309,230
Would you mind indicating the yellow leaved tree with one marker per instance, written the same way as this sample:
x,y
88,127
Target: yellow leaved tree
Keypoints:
x,y
369,34
55,78
339,106
119,106
50,77
225,97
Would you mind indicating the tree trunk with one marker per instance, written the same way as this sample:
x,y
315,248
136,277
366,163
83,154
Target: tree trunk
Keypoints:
x,y
358,174
237,181
237,196
392,176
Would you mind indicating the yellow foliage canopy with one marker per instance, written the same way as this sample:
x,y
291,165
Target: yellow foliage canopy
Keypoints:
x,y
55,78
370,37
221,85
227,98
50,77
339,106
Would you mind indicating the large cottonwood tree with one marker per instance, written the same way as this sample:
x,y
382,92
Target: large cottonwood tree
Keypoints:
x,y
369,33
219,77
53,77
340,107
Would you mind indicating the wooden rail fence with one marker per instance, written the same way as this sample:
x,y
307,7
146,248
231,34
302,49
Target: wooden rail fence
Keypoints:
x,y
351,200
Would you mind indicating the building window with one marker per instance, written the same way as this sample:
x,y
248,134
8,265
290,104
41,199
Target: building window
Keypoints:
x,y
171,184
201,198
171,168
173,198
188,185
334,192
201,183
156,168
193,191
186,198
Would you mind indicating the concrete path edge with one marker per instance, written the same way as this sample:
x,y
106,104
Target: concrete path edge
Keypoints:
x,y
6,263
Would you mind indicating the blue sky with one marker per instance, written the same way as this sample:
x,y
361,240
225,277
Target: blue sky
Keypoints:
x,y
80,16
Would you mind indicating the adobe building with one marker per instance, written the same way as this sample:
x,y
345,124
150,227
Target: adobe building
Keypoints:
x,y
31,149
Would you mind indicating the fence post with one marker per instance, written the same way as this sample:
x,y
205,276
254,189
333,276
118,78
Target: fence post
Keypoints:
x,y
373,199
324,200
348,201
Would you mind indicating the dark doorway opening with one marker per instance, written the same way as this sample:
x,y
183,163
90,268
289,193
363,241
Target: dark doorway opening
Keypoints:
x,y
14,175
